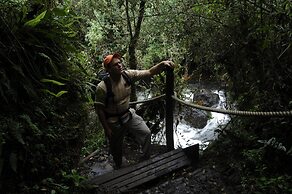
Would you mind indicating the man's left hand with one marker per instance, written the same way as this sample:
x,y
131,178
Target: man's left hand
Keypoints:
x,y
169,64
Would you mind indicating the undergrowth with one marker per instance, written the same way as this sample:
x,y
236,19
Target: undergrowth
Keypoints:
x,y
263,164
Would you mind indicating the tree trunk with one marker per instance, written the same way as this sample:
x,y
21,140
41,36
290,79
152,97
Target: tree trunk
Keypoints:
x,y
134,39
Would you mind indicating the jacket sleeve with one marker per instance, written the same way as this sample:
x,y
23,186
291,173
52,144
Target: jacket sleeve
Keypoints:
x,y
136,75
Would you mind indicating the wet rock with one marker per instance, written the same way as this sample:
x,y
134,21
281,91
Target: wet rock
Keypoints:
x,y
206,98
193,117
101,168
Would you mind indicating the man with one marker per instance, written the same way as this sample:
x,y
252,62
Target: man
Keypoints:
x,y
113,109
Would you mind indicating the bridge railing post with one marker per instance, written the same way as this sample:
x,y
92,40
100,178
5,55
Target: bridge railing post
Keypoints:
x,y
169,108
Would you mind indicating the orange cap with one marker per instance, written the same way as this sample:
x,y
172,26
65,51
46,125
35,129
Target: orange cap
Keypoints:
x,y
108,59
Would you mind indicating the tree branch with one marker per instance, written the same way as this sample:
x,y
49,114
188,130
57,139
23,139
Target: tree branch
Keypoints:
x,y
128,19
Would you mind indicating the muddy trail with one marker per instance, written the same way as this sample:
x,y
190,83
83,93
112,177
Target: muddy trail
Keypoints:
x,y
212,173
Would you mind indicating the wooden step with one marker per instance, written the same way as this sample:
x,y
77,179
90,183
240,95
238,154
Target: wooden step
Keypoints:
x,y
127,178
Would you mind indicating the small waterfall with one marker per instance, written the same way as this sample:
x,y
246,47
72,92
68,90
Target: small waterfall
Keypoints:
x,y
186,135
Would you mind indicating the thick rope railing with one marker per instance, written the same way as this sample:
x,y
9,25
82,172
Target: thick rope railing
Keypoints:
x,y
224,111
236,112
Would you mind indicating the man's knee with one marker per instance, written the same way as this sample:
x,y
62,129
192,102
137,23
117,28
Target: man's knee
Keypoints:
x,y
147,131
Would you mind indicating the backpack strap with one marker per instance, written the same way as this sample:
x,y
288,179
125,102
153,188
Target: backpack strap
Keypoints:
x,y
109,92
127,78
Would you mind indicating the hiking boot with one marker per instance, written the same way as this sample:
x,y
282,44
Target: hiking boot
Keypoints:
x,y
125,163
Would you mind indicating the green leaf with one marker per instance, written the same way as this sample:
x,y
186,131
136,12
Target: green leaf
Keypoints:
x,y
61,93
34,22
59,12
52,81
53,94
54,68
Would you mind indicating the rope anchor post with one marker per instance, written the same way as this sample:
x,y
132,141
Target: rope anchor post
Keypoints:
x,y
169,106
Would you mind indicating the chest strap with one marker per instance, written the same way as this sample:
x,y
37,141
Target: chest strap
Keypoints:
x,y
108,115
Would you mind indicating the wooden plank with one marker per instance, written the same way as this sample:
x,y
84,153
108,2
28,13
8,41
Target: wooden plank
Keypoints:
x,y
130,177
117,173
115,180
170,167
152,165
146,170
152,174
141,177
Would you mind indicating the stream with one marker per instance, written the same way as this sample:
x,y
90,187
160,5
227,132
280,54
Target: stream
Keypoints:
x,y
186,135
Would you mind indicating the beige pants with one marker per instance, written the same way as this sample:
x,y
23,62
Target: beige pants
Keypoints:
x,y
136,127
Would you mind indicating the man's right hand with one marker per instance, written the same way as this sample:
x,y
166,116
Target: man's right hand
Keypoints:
x,y
106,127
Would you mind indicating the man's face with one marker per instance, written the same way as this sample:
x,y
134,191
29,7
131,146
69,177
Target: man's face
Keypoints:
x,y
116,66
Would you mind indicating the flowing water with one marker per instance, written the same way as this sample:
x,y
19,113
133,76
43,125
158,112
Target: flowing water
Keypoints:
x,y
184,134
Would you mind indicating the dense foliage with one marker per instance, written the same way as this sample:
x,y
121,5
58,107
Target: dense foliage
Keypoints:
x,y
249,43
51,52
42,95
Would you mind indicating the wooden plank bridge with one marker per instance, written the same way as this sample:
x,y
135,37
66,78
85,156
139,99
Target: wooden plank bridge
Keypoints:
x,y
127,178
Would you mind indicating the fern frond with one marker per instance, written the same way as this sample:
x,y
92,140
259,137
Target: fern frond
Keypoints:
x,y
35,129
34,22
52,81
61,93
53,94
